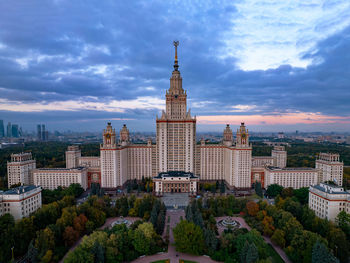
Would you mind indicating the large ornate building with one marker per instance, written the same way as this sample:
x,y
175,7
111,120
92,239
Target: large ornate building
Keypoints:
x,y
176,161
176,149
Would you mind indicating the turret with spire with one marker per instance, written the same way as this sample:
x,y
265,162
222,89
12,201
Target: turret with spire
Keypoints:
x,y
176,97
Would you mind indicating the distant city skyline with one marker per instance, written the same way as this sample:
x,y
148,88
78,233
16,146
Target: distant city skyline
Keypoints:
x,y
279,66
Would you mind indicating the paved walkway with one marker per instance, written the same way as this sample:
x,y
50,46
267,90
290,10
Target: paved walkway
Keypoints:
x,y
267,239
172,254
240,220
108,223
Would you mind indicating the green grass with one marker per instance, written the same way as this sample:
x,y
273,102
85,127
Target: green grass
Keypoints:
x,y
274,255
186,261
161,261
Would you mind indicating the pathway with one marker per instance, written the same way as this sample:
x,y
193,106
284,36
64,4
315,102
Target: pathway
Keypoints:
x,y
172,254
108,222
267,239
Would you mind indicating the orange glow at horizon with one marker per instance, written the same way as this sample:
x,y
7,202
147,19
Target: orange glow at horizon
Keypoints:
x,y
287,118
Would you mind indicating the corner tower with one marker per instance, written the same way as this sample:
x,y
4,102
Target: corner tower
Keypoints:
x,y
108,152
176,129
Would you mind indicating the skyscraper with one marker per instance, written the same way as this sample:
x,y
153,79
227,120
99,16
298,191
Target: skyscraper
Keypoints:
x,y
15,132
43,133
176,129
2,129
38,127
9,130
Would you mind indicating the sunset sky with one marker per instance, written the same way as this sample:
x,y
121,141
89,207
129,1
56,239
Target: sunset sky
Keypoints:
x,y
276,65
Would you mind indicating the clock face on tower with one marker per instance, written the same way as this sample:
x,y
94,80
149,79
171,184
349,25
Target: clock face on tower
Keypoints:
x,y
108,136
244,135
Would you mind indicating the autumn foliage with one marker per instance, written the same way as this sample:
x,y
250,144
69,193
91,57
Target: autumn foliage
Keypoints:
x,y
252,208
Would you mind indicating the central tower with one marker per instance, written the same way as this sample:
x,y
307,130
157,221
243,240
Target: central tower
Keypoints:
x,y
176,129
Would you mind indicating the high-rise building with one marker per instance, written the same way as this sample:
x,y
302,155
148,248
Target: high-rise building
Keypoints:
x,y
176,156
43,133
9,130
109,165
2,129
15,131
280,156
20,201
176,129
19,169
38,129
331,168
73,154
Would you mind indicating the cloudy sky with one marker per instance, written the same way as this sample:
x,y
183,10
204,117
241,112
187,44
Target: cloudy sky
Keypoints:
x,y
277,65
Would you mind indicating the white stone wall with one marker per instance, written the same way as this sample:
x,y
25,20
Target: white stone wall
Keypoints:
x,y
108,168
162,143
212,162
243,160
55,177
20,172
90,161
280,158
328,205
295,178
139,162
72,157
330,171
22,204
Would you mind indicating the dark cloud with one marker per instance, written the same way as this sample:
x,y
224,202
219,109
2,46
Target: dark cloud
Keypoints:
x,y
62,45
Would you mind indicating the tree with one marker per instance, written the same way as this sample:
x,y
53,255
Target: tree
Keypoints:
x,y
252,208
249,253
273,190
45,241
7,223
98,252
258,189
140,242
278,238
68,216
302,194
79,223
217,184
287,192
343,221
213,188
70,236
210,239
222,187
189,238
24,232
320,254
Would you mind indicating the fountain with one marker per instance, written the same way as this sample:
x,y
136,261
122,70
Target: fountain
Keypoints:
x,y
229,222
120,221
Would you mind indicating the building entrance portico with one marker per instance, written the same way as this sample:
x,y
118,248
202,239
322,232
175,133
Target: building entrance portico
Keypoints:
x,y
175,182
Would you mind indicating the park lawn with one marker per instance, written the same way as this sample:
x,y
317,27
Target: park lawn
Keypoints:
x,y
186,261
161,261
274,255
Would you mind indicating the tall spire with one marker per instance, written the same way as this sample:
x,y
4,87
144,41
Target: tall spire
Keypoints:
x,y
176,65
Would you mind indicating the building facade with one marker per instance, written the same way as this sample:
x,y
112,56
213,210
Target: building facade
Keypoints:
x,y
73,154
19,169
51,178
331,168
175,182
291,177
20,201
328,200
176,151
